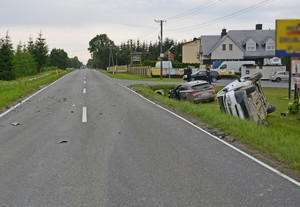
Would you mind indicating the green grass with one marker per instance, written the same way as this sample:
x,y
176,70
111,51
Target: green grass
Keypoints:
x,y
12,91
279,139
127,76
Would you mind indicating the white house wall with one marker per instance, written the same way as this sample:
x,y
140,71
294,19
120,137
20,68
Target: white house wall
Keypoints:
x,y
235,54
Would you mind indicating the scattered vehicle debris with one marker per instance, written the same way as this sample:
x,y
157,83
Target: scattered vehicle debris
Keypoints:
x,y
160,92
195,91
15,124
244,98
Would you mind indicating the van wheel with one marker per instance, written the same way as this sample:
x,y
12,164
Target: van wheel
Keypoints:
x,y
271,109
278,79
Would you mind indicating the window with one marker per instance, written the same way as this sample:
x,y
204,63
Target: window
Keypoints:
x,y
251,46
230,47
223,66
223,47
270,46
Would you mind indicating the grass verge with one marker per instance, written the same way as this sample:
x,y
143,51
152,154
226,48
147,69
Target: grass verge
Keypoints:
x,y
128,76
12,91
279,139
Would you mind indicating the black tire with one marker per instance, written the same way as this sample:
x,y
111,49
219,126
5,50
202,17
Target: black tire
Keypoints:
x,y
255,77
278,79
214,79
271,109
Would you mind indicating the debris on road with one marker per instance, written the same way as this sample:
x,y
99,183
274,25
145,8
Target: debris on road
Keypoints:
x,y
15,124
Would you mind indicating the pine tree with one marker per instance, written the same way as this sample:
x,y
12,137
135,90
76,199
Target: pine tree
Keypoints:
x,y
6,59
40,52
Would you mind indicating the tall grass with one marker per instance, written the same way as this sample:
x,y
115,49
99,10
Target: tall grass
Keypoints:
x,y
280,138
12,91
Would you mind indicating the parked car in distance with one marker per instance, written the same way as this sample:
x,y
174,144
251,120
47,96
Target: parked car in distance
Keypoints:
x,y
280,76
195,91
201,75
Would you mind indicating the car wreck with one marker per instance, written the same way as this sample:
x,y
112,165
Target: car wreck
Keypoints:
x,y
244,98
194,91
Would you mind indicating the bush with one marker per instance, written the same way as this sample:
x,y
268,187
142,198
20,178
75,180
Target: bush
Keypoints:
x,y
294,107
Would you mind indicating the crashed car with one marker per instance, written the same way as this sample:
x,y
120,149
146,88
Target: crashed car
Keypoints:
x,y
244,98
195,91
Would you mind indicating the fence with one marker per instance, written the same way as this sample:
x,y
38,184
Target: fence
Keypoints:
x,y
142,71
117,69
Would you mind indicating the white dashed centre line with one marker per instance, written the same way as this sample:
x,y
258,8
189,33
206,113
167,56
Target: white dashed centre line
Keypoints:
x,y
84,90
84,82
84,114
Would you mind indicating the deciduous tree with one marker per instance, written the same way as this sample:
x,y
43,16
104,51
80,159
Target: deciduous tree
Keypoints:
x,y
58,58
100,48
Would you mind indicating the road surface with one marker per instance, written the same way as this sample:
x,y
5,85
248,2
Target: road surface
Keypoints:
x,y
89,141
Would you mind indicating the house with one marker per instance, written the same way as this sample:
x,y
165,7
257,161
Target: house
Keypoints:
x,y
190,51
238,45
169,55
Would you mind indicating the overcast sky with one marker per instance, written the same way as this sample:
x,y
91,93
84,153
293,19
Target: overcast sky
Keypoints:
x,y
71,24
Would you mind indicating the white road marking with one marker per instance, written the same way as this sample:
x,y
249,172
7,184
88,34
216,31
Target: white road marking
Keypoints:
x,y
84,82
84,114
84,90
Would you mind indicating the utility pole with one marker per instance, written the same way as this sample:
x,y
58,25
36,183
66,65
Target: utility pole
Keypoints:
x,y
161,43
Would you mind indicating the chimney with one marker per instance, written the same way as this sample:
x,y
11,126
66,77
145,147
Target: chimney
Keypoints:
x,y
223,33
258,26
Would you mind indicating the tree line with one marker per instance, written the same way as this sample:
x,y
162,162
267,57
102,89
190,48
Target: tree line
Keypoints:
x,y
31,58
105,53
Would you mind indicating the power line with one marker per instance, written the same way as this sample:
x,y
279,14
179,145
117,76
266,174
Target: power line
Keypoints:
x,y
176,18
240,12
147,33
192,12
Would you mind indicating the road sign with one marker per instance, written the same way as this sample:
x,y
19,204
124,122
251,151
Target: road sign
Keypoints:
x,y
288,37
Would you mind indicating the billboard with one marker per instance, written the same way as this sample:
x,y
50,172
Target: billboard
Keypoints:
x,y
288,37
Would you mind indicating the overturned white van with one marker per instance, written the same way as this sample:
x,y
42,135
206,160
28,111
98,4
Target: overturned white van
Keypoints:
x,y
244,98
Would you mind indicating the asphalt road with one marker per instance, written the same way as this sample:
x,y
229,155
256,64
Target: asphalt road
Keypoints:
x,y
124,151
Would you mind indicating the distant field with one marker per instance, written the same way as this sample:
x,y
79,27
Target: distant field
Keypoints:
x,y
127,76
